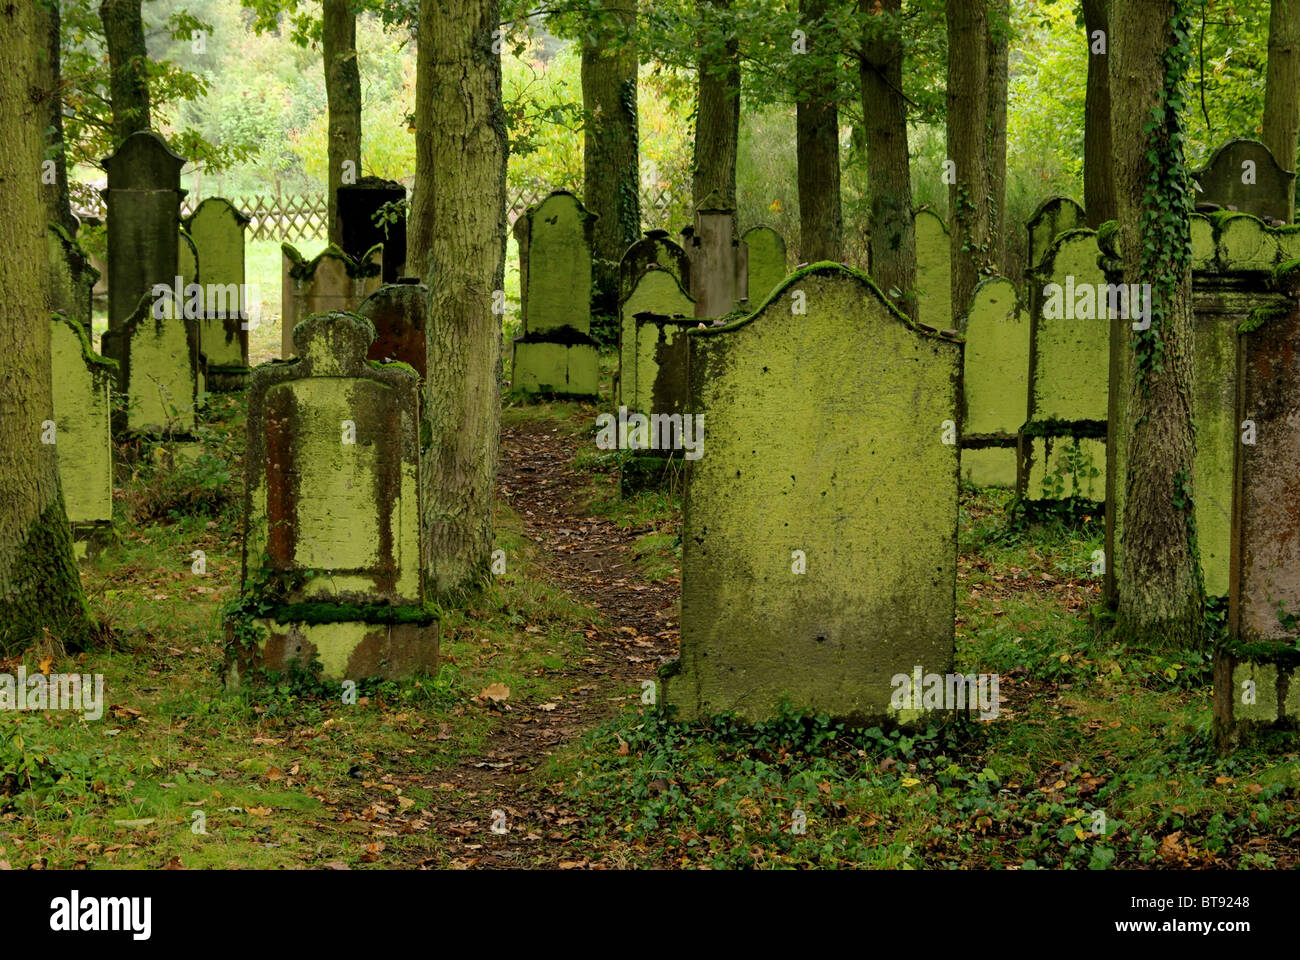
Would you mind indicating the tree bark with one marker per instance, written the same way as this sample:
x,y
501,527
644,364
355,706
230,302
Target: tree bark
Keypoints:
x,y
611,162
39,585
128,63
999,32
968,193
1160,598
1098,174
419,225
462,408
817,143
717,115
892,243
1282,87
58,208
343,102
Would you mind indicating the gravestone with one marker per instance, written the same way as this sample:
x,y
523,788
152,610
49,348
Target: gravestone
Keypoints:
x,y
331,559
330,281
719,263
358,204
933,270
398,312
1243,175
1051,218
657,293
157,353
995,383
217,230
654,248
1062,444
765,249
825,414
1256,682
72,278
144,199
82,381
555,354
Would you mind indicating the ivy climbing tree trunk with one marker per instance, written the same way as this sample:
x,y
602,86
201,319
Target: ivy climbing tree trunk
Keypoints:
x,y
717,115
999,34
1160,596
128,65
892,243
968,190
611,171
49,80
1282,86
1098,172
39,585
817,140
419,225
462,405
343,102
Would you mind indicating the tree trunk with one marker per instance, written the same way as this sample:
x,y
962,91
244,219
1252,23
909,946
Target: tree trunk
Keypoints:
x,y
467,263
968,193
419,225
1282,88
717,118
611,171
39,585
999,32
58,208
817,142
128,59
1160,599
343,101
889,180
1098,172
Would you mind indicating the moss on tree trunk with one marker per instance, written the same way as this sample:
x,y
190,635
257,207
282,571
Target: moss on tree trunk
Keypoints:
x,y
129,63
969,218
343,102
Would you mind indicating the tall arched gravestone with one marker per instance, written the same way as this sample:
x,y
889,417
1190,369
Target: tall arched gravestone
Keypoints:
x,y
766,260
329,281
995,378
555,354
331,560
828,446
71,277
1051,218
933,270
399,312
82,381
1256,680
157,353
359,203
1243,175
217,229
1062,445
657,248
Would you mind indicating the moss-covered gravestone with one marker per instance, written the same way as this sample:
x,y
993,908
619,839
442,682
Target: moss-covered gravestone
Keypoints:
x,y
555,354
71,277
398,312
359,205
329,281
933,270
820,539
82,381
766,259
1062,451
144,199
1051,218
217,229
1256,680
995,378
657,248
157,354
656,293
331,562
1243,175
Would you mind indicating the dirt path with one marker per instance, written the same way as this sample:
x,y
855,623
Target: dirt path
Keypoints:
x,y
589,558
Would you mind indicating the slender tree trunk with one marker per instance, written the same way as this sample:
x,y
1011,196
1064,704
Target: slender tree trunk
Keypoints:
x,y
58,208
343,101
1160,600
1282,87
611,163
817,142
999,32
717,116
968,193
128,62
462,404
889,179
419,225
1098,172
39,585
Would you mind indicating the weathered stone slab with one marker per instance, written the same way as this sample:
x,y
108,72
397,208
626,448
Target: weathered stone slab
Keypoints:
x,y
657,248
398,312
217,230
1053,217
157,354
1243,175
824,447
72,278
332,521
767,262
656,293
330,281
933,270
719,263
995,383
358,205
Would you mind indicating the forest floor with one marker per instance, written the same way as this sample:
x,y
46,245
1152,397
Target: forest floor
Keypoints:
x,y
533,746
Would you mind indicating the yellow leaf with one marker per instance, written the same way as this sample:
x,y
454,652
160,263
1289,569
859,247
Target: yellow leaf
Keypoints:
x,y
495,691
910,781
258,811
